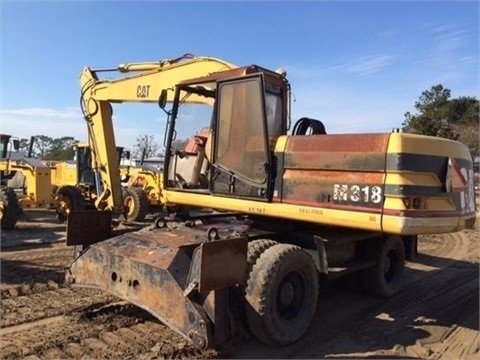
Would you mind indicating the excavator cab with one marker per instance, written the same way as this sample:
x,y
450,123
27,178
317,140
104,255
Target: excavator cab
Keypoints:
x,y
4,141
86,175
234,155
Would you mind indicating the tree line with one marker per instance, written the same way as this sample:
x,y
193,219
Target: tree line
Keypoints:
x,y
45,147
63,148
437,115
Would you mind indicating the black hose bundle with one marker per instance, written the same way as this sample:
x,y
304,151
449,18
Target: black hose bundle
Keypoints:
x,y
304,124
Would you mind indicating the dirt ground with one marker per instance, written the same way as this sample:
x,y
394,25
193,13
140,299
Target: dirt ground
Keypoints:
x,y
435,316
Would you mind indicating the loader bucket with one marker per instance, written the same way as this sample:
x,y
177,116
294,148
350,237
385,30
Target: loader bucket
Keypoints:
x,y
178,276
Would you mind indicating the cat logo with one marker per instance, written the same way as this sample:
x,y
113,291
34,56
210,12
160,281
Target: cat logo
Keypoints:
x,y
143,91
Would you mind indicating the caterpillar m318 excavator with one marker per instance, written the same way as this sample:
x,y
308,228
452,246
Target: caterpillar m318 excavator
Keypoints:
x,y
257,217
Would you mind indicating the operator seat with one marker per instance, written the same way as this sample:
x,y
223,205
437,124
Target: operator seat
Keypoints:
x,y
188,165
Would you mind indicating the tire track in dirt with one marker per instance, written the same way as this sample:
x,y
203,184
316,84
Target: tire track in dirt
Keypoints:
x,y
41,317
21,269
40,305
437,296
461,340
111,331
33,288
61,252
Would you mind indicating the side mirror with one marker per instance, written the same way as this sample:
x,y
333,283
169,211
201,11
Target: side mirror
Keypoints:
x,y
16,144
126,155
162,99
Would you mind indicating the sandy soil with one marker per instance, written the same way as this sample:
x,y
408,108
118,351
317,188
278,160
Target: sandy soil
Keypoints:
x,y
435,316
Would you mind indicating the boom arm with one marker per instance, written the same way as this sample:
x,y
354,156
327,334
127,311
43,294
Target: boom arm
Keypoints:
x,y
144,86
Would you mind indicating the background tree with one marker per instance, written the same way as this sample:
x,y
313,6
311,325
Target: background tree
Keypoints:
x,y
45,147
41,145
438,115
464,110
469,135
61,148
24,146
146,146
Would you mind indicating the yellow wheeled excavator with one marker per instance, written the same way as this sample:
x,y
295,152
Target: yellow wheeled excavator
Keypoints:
x,y
256,215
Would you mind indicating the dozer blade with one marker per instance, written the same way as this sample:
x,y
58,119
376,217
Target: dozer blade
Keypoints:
x,y
177,276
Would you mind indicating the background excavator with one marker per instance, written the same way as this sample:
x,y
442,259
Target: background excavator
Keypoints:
x,y
254,216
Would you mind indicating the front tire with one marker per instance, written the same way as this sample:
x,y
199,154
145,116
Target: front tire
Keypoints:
x,y
237,293
281,294
136,204
67,199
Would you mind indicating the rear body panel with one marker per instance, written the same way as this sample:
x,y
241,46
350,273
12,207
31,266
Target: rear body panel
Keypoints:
x,y
407,184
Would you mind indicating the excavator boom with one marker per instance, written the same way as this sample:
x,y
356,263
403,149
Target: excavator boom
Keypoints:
x,y
145,85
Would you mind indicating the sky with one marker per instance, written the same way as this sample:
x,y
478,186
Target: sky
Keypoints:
x,y
358,66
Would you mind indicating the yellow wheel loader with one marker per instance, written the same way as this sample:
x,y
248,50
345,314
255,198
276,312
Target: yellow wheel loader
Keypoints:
x,y
9,206
28,178
145,179
76,187
257,214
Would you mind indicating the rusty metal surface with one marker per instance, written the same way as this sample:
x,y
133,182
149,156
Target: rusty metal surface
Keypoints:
x,y
155,284
341,172
151,270
337,152
317,187
88,227
223,264
334,171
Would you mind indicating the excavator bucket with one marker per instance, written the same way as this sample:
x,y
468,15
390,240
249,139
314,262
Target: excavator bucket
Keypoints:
x,y
180,276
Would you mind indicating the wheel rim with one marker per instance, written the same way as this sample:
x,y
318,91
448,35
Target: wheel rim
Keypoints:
x,y
129,205
291,296
64,204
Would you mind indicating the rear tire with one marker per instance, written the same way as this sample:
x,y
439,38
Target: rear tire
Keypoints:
x,y
237,293
255,249
9,208
411,247
67,199
281,294
136,203
384,279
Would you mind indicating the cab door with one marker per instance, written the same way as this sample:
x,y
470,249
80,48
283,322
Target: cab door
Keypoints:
x,y
242,165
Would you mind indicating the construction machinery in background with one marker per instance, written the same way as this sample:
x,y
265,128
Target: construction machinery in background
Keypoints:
x,y
28,178
9,207
55,184
76,186
144,179
254,216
